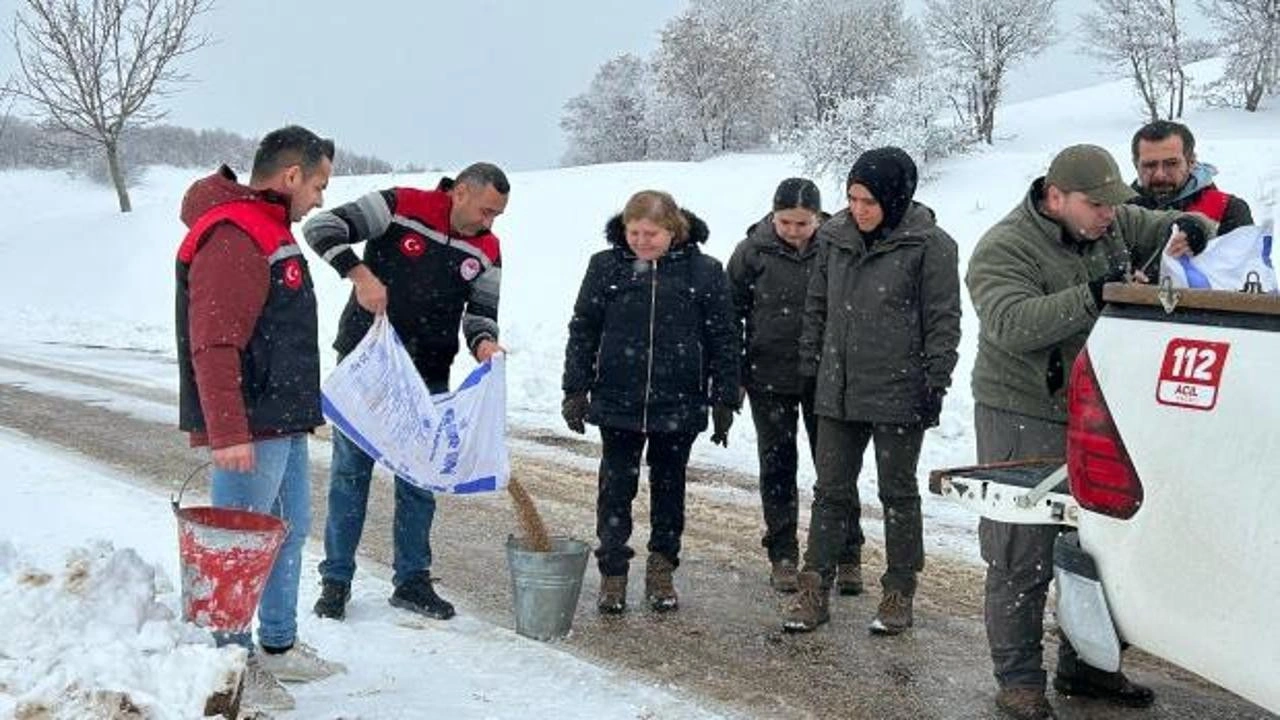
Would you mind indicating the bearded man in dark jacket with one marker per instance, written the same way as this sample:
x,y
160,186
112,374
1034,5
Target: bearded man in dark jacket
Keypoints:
x,y
1170,177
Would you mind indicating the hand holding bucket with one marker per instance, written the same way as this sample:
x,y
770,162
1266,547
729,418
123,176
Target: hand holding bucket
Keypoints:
x,y
225,556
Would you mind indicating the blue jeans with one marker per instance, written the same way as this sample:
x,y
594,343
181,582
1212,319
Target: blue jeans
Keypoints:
x,y
349,477
279,485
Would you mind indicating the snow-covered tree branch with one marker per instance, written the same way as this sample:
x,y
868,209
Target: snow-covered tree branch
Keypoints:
x,y
986,38
1249,32
607,123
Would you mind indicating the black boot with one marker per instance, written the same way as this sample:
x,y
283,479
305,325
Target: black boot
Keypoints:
x,y
417,595
334,595
1113,687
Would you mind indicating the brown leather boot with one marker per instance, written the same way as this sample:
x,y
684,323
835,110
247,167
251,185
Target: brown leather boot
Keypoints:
x,y
809,608
1024,703
783,575
894,615
659,589
613,594
849,578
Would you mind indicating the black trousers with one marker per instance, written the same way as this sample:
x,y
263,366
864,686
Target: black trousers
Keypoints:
x,y
1019,557
837,511
668,456
776,418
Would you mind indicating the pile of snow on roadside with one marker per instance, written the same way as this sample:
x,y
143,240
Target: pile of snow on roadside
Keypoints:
x,y
93,639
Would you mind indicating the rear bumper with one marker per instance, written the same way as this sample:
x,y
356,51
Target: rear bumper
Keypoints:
x,y
1083,613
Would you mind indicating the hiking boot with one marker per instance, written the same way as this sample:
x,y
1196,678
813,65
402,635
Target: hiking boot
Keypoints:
x,y
298,664
783,575
849,578
809,608
659,589
613,594
1114,687
417,595
261,691
334,595
894,614
1024,703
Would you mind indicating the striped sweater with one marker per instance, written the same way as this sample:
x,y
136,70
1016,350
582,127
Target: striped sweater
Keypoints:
x,y
436,282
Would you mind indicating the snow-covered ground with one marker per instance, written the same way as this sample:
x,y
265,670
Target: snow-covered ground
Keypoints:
x,y
92,289
102,619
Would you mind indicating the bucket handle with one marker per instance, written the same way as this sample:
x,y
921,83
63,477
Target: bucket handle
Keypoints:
x,y
176,500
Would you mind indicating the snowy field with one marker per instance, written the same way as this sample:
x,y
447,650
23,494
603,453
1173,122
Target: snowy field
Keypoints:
x,y
103,619
90,288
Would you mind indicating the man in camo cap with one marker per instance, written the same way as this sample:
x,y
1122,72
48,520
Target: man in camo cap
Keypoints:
x,y
1036,280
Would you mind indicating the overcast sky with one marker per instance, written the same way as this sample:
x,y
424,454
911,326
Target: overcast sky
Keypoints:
x,y
445,83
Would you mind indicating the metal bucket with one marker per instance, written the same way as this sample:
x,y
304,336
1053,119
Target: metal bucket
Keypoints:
x,y
225,556
545,586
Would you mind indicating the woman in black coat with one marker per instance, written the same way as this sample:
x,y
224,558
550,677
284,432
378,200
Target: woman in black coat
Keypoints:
x,y
768,277
651,345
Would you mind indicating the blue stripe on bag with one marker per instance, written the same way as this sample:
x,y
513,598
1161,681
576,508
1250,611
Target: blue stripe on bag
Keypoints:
x,y
476,376
1266,250
1195,278
478,485
344,425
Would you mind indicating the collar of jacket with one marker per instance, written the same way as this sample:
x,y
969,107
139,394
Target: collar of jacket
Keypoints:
x,y
842,231
763,237
615,231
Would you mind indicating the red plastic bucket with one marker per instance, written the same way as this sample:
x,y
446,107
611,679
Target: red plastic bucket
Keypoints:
x,y
225,556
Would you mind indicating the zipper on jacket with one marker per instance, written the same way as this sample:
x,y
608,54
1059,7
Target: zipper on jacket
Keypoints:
x,y
648,379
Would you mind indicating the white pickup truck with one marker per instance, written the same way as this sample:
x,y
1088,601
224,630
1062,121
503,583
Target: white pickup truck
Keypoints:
x,y
1173,470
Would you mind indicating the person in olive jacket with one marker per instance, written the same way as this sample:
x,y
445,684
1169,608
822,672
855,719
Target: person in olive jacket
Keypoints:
x,y
768,277
651,345
1036,279
881,327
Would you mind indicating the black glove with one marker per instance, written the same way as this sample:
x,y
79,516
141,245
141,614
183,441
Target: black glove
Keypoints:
x,y
932,407
1196,237
574,411
1115,274
721,421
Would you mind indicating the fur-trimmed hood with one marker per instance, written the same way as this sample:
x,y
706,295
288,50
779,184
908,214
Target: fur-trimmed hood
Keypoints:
x,y
615,232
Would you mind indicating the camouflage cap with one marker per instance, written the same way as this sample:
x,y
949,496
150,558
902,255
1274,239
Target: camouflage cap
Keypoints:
x,y
1091,170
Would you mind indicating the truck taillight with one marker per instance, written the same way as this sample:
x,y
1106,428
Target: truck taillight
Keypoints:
x,y
1101,474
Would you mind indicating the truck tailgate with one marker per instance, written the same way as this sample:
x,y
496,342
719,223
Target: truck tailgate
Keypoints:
x,y
1020,491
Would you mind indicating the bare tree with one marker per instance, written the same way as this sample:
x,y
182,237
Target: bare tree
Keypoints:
x,y
6,102
1122,34
607,122
848,48
1175,59
720,74
986,38
96,67
1247,30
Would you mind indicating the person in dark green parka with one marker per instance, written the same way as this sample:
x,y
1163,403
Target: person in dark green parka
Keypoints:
x,y
881,328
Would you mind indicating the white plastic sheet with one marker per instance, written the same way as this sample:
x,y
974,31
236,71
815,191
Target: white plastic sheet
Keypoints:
x,y
452,442
1228,262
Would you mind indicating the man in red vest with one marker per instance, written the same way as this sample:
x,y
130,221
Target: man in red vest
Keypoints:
x,y
1170,177
249,372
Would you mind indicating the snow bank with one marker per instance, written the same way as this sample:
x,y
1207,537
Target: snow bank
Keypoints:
x,y
90,638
